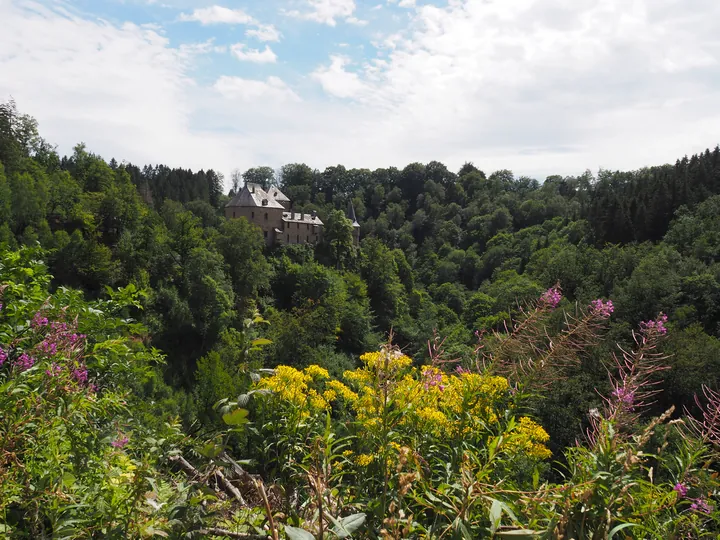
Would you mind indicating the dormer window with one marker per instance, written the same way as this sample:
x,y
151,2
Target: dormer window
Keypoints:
x,y
264,202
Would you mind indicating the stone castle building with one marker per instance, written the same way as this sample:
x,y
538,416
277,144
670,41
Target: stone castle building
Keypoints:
x,y
273,212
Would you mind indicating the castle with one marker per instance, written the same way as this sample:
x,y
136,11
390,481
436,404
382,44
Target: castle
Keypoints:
x,y
273,212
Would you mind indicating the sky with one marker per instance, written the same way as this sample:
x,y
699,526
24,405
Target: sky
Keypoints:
x,y
539,87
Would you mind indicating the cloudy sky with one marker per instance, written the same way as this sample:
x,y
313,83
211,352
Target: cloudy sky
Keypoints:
x,y
536,86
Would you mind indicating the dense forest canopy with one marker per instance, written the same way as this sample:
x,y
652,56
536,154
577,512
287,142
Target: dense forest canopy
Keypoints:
x,y
446,260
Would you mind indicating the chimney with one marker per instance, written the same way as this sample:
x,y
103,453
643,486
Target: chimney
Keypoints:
x,y
314,214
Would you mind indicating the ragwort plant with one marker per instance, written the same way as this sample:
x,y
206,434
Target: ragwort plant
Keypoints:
x,y
434,451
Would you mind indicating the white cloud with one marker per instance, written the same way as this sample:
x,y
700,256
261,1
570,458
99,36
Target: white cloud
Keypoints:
x,y
266,56
248,90
327,11
356,21
338,82
537,81
264,32
406,3
537,86
218,15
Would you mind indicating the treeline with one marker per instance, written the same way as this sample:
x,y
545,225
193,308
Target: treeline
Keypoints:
x,y
451,253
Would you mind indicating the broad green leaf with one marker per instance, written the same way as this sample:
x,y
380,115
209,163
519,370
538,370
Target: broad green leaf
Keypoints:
x,y
293,533
344,527
236,418
260,342
495,515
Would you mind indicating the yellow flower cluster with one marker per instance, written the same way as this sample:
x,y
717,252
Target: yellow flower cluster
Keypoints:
x,y
363,460
288,384
316,372
303,389
386,359
528,437
341,390
434,402
431,403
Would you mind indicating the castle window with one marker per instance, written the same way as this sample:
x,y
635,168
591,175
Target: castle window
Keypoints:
x,y
298,238
233,213
307,226
265,232
252,215
265,216
307,239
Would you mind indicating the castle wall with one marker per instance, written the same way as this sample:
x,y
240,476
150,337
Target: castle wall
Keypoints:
x,y
268,219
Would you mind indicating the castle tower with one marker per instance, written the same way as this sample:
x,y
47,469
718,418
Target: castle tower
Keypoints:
x,y
356,225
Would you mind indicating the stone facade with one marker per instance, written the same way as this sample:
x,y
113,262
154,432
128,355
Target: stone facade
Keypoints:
x,y
272,211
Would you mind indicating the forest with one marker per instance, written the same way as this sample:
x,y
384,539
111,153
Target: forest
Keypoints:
x,y
501,357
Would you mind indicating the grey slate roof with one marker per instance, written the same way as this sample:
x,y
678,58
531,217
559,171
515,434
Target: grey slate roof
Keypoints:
x,y
297,217
252,195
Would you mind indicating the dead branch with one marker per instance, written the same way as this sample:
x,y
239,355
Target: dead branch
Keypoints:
x,y
222,532
193,472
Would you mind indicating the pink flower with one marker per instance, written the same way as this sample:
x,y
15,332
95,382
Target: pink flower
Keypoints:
x,y
624,396
602,309
658,325
433,378
119,442
39,320
700,505
25,362
551,297
681,489
3,356
80,374
54,370
461,370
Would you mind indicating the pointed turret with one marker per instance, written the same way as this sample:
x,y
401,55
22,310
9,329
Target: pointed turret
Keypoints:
x,y
356,225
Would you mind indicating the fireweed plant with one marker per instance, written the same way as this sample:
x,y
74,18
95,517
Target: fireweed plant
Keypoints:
x,y
80,453
451,449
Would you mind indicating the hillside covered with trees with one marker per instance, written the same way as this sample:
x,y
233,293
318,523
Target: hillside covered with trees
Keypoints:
x,y
500,357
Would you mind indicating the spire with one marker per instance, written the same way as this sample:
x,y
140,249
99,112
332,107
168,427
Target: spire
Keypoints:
x,y
351,214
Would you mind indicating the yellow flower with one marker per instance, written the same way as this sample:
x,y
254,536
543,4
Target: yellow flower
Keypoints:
x,y
316,372
528,438
329,395
316,400
363,460
390,360
342,390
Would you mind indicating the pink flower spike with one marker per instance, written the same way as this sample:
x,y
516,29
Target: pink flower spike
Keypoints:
x,y
24,362
681,489
551,297
119,443
701,506
602,309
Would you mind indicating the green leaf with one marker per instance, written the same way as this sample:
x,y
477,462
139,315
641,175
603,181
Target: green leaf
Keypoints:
x,y
620,527
293,533
344,527
236,418
260,342
495,516
526,534
210,450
